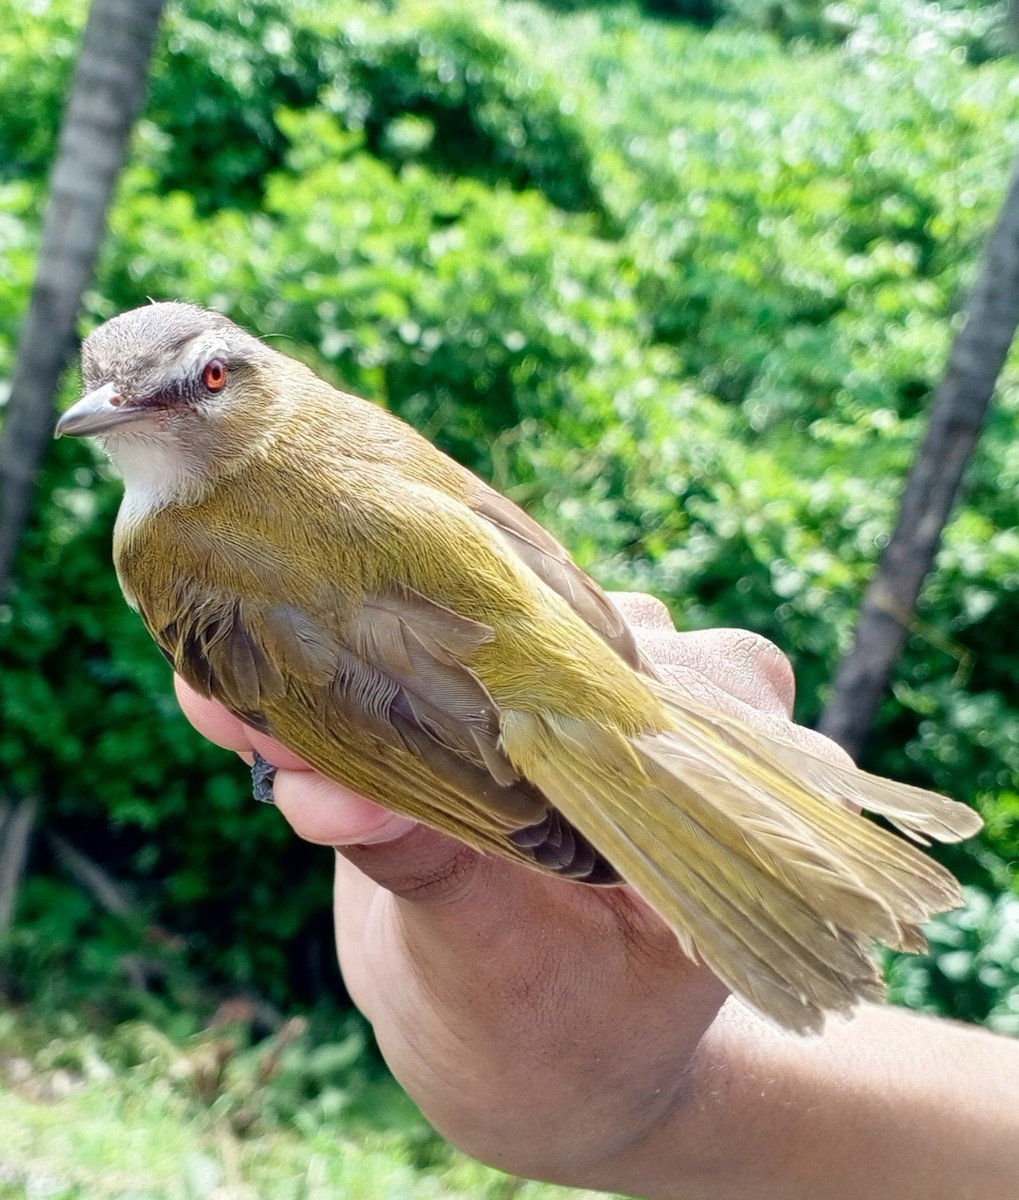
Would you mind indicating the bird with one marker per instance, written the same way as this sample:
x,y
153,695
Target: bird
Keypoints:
x,y
337,582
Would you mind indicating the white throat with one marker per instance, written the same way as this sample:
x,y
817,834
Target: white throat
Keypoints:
x,y
157,471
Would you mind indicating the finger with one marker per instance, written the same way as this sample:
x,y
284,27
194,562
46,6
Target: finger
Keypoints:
x,y
435,888
430,873
641,611
211,719
744,664
329,814
214,722
319,810
741,674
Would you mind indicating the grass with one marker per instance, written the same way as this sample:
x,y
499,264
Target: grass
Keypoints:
x,y
130,1115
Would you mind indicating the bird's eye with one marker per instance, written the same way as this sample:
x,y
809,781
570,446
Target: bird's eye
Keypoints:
x,y
214,375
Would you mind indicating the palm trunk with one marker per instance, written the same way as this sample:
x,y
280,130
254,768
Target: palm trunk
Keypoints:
x,y
106,93
957,416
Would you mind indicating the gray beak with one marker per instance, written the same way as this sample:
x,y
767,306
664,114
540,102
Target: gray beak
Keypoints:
x,y
97,412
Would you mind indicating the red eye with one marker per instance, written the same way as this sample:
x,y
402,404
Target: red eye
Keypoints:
x,y
214,375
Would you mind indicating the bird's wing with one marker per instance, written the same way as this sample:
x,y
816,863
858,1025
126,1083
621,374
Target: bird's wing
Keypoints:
x,y
543,555
383,701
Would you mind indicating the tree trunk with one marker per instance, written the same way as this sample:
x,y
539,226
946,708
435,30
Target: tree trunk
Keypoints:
x,y
106,93
17,823
957,415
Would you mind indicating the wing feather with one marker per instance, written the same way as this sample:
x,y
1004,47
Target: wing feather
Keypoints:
x,y
405,714
539,551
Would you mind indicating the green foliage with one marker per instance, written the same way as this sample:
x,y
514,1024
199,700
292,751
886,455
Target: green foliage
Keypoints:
x,y
450,86
224,75
684,294
971,971
135,1115
40,40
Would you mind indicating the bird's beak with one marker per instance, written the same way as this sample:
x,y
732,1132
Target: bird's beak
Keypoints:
x,y
97,412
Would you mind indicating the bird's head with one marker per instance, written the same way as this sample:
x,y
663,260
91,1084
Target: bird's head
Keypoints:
x,y
176,394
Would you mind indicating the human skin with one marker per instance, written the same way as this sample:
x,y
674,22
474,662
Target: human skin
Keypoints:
x,y
557,1031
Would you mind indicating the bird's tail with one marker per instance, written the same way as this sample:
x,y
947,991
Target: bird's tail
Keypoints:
x,y
742,844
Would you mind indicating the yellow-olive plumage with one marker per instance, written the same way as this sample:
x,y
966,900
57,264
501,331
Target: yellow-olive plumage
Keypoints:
x,y
336,581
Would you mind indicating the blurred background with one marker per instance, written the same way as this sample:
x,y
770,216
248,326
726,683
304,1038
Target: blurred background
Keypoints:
x,y
679,277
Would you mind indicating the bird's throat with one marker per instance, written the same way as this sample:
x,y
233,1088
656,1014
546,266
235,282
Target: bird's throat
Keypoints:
x,y
157,472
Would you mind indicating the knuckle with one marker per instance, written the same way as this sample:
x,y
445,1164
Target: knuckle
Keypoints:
x,y
771,663
642,611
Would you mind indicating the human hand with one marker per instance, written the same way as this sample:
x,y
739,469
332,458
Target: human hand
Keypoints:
x,y
505,1001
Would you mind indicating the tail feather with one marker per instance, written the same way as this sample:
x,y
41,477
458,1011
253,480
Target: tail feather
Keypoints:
x,y
916,885
787,855
920,814
779,891
788,813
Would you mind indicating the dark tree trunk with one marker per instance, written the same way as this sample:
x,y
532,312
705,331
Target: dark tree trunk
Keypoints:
x,y
957,415
106,93
17,823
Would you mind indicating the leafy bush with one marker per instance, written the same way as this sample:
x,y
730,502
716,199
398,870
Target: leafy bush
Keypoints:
x,y
970,972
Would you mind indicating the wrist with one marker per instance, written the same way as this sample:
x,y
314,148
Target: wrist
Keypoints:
x,y
887,1104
